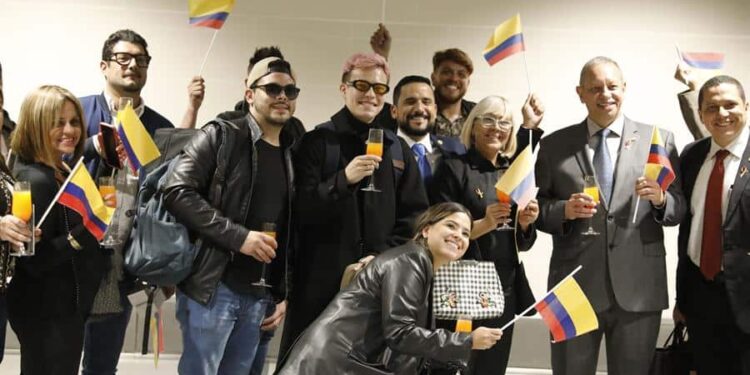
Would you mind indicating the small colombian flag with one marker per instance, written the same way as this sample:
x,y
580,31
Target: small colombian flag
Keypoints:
x,y
505,41
566,311
209,13
138,144
81,195
519,181
704,60
658,167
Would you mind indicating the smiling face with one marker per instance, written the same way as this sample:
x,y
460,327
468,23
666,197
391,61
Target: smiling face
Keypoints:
x,y
602,90
416,110
491,140
125,80
451,80
723,112
364,106
66,133
448,239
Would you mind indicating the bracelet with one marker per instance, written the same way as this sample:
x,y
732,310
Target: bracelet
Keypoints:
x,y
74,243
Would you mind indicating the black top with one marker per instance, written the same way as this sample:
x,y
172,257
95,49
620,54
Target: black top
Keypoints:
x,y
267,205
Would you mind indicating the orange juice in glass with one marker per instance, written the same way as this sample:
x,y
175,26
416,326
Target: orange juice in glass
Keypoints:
x,y
593,191
591,188
269,229
21,204
375,148
463,324
502,197
107,187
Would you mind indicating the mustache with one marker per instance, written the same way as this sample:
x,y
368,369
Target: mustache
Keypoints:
x,y
423,115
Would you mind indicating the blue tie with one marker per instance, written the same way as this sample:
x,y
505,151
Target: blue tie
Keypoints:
x,y
420,151
603,164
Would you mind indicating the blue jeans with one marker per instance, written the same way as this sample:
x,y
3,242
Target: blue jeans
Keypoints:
x,y
265,338
221,338
103,340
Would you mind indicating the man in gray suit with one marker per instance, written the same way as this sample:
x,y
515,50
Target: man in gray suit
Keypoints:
x,y
624,270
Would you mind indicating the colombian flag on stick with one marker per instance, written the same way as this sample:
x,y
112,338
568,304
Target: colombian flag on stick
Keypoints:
x,y
518,181
80,194
209,13
505,41
138,144
703,60
658,167
566,310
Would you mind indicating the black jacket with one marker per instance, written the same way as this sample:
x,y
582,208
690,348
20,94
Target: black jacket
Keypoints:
x,y
378,324
338,223
222,228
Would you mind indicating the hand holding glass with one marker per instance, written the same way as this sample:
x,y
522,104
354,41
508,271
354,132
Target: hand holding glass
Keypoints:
x,y
22,208
268,229
503,198
591,188
374,147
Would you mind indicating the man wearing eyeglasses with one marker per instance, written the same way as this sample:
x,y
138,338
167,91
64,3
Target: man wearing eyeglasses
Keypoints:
x,y
223,302
338,223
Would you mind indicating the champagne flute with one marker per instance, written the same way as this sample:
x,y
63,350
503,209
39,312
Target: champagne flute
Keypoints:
x,y
270,230
503,198
107,187
591,188
374,147
22,208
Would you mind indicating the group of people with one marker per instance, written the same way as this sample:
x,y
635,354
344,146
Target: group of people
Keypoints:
x,y
433,202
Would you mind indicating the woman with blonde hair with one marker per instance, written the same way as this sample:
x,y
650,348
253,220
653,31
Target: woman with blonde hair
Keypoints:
x,y
469,179
52,291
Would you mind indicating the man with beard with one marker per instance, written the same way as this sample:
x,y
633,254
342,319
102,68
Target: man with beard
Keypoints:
x,y
223,302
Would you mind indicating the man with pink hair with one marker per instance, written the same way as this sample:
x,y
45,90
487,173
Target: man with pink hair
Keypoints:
x,y
338,223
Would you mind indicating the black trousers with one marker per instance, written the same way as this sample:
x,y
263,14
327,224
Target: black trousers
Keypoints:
x,y
49,346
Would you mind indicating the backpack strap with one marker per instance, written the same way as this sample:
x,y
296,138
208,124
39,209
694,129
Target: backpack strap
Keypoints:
x,y
222,158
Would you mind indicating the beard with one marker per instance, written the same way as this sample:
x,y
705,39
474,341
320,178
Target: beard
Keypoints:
x,y
411,131
444,99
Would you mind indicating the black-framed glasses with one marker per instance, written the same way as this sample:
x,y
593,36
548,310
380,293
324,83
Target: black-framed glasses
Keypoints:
x,y
364,86
124,59
489,122
274,89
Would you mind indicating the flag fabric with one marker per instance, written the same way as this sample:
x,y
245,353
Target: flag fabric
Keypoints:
x,y
505,41
658,167
209,13
566,311
138,144
81,195
704,60
518,181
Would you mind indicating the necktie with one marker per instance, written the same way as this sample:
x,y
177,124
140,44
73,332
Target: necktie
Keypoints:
x,y
420,151
603,164
711,245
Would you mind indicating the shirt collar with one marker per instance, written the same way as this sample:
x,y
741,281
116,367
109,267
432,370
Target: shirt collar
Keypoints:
x,y
616,127
411,142
111,104
736,148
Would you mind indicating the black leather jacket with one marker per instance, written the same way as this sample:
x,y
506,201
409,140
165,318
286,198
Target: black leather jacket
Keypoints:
x,y
377,325
221,228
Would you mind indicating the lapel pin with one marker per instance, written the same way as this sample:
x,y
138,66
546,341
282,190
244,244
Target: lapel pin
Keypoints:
x,y
479,192
630,142
743,171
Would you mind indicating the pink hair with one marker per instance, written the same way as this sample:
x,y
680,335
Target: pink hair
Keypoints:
x,y
365,61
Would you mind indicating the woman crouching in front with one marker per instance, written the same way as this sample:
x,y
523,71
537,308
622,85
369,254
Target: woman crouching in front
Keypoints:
x,y
378,324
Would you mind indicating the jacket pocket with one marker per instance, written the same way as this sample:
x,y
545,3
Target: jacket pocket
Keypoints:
x,y
365,368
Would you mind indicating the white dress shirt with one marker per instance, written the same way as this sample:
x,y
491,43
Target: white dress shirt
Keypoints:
x,y
613,138
409,141
698,199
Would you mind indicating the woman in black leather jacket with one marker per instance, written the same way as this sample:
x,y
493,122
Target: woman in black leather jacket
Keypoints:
x,y
377,325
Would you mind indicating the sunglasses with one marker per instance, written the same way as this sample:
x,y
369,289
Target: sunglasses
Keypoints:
x,y
274,89
364,86
124,59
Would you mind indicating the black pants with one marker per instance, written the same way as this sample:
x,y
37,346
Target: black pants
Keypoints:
x,y
49,346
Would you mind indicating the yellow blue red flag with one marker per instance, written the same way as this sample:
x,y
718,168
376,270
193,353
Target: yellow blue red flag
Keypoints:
x,y
658,167
703,60
566,311
505,41
138,144
80,194
209,13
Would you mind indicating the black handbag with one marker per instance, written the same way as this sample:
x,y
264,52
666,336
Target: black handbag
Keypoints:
x,y
675,358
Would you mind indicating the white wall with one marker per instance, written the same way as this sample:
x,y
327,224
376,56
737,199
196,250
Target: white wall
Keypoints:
x,y
60,42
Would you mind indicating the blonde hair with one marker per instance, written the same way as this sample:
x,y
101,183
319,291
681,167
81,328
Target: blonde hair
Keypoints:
x,y
490,104
39,114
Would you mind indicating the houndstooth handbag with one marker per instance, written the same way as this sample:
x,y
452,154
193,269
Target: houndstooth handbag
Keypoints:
x,y
468,288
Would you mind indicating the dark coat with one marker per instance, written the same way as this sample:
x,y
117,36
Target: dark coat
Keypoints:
x,y
337,223
377,324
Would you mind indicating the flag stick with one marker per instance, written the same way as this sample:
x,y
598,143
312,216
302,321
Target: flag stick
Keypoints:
x,y
539,300
531,140
637,203
382,14
526,68
59,192
208,51
679,54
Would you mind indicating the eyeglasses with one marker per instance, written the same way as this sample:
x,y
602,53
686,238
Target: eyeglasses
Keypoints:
x,y
364,86
274,89
489,122
124,59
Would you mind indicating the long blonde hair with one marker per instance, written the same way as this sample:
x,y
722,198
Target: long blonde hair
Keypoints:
x,y
40,111
490,104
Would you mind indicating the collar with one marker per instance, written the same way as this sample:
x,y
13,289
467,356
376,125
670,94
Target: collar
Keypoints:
x,y
255,131
615,127
411,142
736,148
111,105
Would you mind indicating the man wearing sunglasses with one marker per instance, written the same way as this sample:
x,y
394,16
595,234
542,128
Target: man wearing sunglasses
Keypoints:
x,y
339,223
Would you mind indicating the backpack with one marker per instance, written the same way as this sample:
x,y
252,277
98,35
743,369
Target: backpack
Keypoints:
x,y
160,251
333,151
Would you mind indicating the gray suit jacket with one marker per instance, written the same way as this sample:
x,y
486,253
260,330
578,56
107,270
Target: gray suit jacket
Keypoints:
x,y
629,257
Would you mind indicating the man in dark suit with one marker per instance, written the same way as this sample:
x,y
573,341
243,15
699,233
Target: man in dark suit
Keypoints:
x,y
713,288
624,270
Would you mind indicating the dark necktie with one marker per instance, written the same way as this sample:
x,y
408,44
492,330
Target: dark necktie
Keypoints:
x,y
420,151
711,244
603,164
